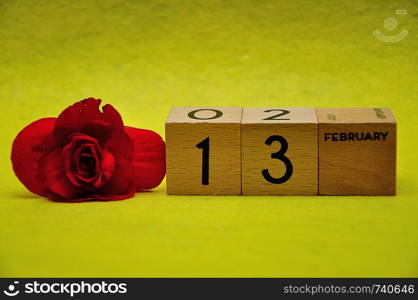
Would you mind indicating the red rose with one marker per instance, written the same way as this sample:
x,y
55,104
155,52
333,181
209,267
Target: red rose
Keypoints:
x,y
86,154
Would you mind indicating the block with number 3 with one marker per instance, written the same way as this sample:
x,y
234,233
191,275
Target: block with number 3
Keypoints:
x,y
279,151
204,151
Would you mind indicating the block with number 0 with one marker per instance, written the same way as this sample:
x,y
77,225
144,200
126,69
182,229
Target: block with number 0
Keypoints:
x,y
279,151
204,151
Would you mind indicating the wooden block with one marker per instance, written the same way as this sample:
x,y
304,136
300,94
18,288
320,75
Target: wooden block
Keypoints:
x,y
204,151
357,151
279,151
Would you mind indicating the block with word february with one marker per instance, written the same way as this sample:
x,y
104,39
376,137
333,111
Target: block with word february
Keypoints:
x,y
204,151
357,151
279,151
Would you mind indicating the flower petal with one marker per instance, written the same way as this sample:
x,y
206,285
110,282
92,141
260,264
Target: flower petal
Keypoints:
x,y
86,117
107,164
52,169
120,144
111,115
130,192
149,157
29,146
121,185
71,153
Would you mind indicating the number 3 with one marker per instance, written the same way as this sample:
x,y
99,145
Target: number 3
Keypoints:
x,y
280,155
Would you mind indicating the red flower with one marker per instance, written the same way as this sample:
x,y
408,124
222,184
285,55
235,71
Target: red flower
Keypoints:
x,y
86,154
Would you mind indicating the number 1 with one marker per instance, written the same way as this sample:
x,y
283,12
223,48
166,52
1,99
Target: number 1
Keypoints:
x,y
205,160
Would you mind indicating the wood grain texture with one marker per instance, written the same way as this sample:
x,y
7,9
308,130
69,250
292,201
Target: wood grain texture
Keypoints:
x,y
184,159
299,128
357,151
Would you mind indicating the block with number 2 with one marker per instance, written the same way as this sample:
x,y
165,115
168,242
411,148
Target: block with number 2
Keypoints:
x,y
279,151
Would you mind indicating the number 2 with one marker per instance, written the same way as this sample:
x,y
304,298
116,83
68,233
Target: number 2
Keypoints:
x,y
205,160
282,113
280,155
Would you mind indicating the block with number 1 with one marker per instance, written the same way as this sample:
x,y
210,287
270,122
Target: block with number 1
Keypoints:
x,y
279,151
204,151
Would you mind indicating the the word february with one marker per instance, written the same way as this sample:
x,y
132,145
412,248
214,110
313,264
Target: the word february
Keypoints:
x,y
355,136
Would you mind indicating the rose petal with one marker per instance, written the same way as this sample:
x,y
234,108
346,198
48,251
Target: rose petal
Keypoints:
x,y
130,192
91,175
108,164
73,149
111,115
86,117
120,144
31,143
52,169
149,157
121,182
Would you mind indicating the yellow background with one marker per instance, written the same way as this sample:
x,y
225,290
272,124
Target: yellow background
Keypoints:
x,y
146,56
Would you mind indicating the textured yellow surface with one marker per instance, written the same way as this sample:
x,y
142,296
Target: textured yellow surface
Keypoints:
x,y
145,57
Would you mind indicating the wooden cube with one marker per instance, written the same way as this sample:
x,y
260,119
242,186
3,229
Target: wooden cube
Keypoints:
x,y
357,151
204,151
279,151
